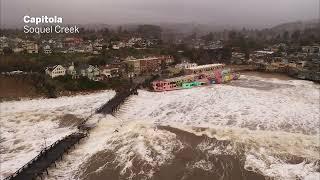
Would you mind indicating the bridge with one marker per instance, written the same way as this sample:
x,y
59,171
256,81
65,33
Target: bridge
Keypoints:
x,y
49,155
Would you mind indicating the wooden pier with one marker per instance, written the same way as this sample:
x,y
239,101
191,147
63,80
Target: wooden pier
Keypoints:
x,y
115,103
48,156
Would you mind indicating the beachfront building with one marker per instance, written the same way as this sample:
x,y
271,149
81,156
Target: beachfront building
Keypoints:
x,y
209,74
56,71
149,64
172,83
208,68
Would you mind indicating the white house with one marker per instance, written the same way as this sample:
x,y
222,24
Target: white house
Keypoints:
x,y
56,71
71,70
110,72
116,47
47,49
97,46
32,48
89,71
18,50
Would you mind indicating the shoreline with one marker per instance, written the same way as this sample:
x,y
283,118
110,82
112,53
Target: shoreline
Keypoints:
x,y
63,94
251,68
241,69
269,75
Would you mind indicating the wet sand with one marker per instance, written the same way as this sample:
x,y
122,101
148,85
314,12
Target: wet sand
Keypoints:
x,y
267,75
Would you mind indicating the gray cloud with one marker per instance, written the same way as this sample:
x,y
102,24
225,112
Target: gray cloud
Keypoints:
x,y
261,13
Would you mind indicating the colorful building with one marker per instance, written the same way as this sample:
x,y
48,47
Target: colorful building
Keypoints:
x,y
198,76
204,68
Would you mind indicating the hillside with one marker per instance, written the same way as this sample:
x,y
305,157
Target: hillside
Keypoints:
x,y
298,25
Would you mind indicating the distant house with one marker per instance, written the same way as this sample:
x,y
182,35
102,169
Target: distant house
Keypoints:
x,y
17,50
73,41
311,49
97,46
109,72
116,47
56,71
47,49
89,71
185,65
71,50
32,48
89,48
71,70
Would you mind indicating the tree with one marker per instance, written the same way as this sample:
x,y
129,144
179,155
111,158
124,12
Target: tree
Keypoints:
x,y
232,35
149,31
163,65
226,53
286,36
296,35
128,68
119,30
209,37
7,51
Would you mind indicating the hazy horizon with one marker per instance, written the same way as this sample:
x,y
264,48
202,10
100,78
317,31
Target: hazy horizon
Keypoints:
x,y
244,13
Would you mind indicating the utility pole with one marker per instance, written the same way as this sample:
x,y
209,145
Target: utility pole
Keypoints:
x,y
319,14
45,142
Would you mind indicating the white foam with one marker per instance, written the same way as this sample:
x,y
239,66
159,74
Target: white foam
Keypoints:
x,y
135,139
275,168
268,122
283,119
28,125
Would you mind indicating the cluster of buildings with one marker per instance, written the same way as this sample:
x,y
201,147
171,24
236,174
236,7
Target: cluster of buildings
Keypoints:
x,y
185,65
147,65
129,67
18,45
71,45
137,43
302,62
94,73
207,45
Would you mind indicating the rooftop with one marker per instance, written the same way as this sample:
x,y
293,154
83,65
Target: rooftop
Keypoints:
x,y
179,78
205,66
265,52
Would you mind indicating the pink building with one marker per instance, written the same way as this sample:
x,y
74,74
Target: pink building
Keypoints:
x,y
198,76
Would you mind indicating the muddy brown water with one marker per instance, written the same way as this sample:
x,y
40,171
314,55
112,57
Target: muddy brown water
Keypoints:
x,y
103,166
223,166
267,75
260,84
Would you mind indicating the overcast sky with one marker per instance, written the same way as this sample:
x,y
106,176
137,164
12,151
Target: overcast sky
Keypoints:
x,y
260,13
